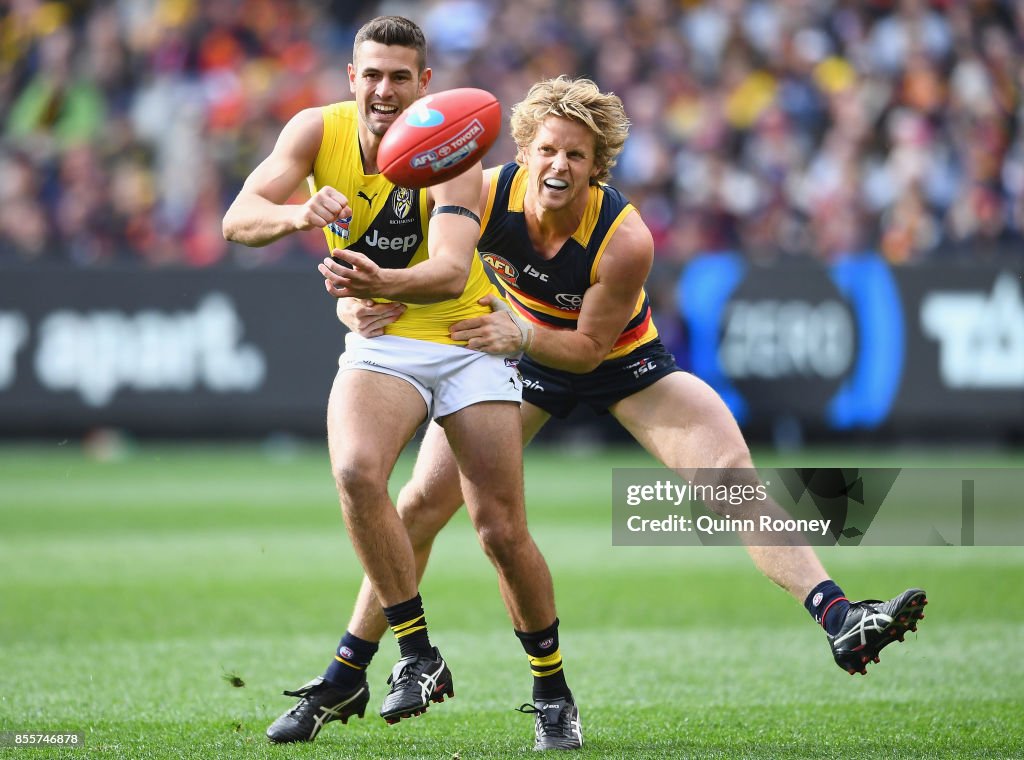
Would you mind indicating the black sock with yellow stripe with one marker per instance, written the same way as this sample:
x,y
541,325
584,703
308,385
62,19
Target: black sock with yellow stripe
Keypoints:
x,y
350,661
410,627
545,662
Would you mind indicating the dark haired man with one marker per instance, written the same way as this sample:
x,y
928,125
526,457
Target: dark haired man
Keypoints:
x,y
386,387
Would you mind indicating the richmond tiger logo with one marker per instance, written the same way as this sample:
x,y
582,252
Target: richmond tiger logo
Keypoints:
x,y
401,202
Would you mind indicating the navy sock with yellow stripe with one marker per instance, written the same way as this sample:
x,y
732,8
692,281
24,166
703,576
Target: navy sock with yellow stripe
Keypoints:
x,y
545,662
409,625
350,661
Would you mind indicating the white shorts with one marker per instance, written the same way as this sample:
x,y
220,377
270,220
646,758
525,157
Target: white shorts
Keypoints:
x,y
449,378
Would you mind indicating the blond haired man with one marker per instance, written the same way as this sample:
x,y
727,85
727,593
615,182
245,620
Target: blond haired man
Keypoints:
x,y
573,255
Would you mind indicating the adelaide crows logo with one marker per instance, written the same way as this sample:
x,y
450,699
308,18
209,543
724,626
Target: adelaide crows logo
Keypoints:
x,y
401,202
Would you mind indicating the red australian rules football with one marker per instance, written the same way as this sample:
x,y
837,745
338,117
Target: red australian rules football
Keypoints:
x,y
439,136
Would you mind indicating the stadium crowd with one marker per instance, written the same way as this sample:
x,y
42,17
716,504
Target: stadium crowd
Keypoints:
x,y
786,128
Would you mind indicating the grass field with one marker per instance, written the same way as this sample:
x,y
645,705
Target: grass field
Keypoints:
x,y
133,591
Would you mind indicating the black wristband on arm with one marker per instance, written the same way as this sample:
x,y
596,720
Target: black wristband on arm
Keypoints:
x,y
457,210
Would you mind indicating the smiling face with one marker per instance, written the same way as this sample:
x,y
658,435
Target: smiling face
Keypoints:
x,y
560,161
385,80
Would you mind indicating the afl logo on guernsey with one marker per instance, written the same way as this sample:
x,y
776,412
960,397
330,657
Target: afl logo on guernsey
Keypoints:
x,y
421,115
401,202
502,267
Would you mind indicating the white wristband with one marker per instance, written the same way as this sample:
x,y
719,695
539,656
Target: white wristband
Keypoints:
x,y
526,329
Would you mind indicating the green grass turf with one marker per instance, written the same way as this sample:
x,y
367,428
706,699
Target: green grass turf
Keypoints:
x,y
131,590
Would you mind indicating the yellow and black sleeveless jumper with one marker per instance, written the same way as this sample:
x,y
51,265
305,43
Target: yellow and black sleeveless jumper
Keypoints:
x,y
389,225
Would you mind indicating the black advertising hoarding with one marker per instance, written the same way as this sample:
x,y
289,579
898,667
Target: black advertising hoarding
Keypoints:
x,y
856,347
165,352
860,346
967,359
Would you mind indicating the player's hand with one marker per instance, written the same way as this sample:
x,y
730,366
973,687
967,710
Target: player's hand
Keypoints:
x,y
361,279
366,317
502,332
326,206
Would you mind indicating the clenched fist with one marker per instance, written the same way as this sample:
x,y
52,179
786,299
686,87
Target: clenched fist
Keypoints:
x,y
326,206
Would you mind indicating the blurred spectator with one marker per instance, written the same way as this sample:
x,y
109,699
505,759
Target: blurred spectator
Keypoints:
x,y
59,106
779,129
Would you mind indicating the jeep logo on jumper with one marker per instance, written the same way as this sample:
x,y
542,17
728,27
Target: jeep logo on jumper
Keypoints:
x,y
403,244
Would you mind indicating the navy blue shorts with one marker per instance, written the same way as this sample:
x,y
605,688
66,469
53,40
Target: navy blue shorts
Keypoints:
x,y
557,392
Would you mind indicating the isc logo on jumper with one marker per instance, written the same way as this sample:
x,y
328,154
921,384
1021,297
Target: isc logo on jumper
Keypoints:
x,y
533,272
642,367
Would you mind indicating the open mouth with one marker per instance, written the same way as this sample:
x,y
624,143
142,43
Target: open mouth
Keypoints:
x,y
381,109
556,184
